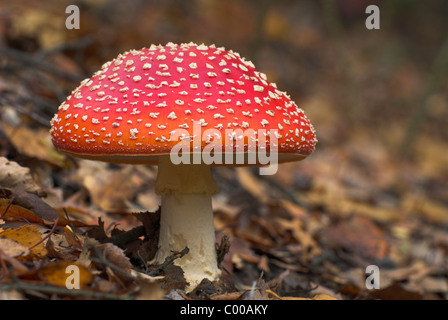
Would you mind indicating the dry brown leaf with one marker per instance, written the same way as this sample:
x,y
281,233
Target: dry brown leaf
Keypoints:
x,y
358,235
34,143
339,205
228,296
115,255
17,212
13,176
395,291
238,249
58,248
251,183
149,291
321,296
434,284
310,247
109,189
293,209
149,287
31,202
111,255
426,208
78,216
13,248
72,238
17,268
346,207
39,211
28,236
57,273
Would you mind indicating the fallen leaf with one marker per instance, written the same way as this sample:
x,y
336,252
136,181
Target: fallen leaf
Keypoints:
x,y
321,296
149,291
11,211
252,185
32,202
395,291
72,238
35,210
58,273
115,254
310,247
17,268
28,236
34,143
293,209
358,235
13,248
149,287
109,189
14,176
426,208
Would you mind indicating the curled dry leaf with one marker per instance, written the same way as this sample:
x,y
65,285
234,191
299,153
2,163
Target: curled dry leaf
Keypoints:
x,y
72,238
115,254
13,176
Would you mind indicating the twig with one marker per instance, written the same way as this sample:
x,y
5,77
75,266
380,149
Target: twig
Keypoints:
x,y
222,249
7,207
67,217
21,103
48,235
63,291
101,259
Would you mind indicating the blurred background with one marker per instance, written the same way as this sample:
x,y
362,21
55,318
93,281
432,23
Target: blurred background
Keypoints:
x,y
377,184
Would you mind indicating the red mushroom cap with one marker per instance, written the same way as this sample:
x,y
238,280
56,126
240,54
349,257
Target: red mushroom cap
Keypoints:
x,y
128,110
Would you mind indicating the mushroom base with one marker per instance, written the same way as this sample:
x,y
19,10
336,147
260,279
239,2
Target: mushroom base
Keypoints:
x,y
187,221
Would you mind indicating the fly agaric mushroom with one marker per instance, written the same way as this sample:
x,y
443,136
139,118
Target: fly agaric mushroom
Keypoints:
x,y
132,110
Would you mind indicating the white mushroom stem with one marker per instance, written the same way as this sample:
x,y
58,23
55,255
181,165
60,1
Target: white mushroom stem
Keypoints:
x,y
187,219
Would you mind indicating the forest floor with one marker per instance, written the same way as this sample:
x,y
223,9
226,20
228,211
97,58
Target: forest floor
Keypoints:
x,y
368,207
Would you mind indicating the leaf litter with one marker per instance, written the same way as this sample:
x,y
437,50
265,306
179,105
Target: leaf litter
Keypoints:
x,y
307,232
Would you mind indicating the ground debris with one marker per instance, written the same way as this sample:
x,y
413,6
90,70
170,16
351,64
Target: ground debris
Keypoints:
x,y
367,197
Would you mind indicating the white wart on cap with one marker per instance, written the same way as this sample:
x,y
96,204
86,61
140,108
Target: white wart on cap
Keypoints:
x,y
128,110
